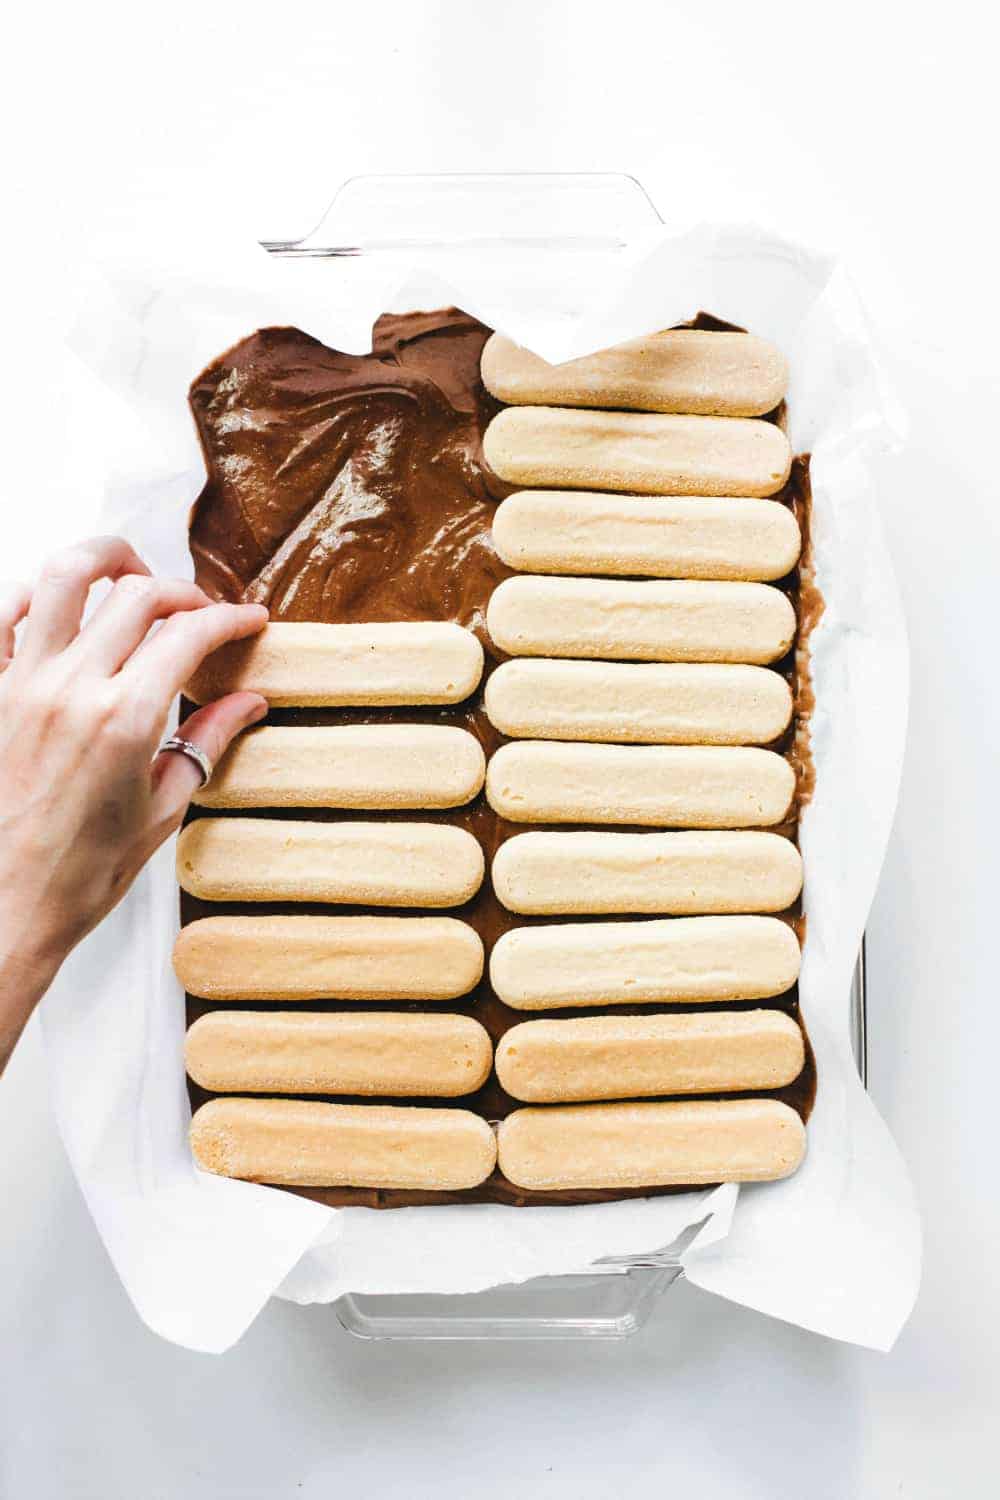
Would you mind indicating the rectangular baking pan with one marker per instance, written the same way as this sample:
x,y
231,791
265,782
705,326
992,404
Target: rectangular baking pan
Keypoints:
x,y
600,213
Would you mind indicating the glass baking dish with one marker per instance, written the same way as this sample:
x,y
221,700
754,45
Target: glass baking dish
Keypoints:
x,y
520,213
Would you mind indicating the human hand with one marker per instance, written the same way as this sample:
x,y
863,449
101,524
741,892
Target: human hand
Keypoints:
x,y
83,803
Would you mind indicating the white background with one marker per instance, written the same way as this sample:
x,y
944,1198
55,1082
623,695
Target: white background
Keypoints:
x,y
869,128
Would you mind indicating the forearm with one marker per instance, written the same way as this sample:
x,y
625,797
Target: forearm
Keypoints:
x,y
37,926
26,971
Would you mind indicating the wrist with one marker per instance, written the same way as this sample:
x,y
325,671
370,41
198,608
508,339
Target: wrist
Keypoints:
x,y
38,927
29,961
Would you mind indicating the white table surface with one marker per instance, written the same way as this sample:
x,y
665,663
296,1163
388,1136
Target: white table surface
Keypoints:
x,y
864,127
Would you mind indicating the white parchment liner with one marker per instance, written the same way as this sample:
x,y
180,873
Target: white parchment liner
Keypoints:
x,y
836,1248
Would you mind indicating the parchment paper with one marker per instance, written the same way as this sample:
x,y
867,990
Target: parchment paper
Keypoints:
x,y
836,1248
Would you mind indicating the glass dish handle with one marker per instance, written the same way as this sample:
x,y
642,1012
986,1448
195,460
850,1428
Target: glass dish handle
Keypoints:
x,y
477,212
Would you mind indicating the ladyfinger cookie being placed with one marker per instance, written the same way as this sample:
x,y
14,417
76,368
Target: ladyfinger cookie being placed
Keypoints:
x,y
564,531
348,765
649,703
356,1052
650,1145
304,1143
678,786
707,959
328,958
679,874
656,621
632,1057
366,864
679,370
289,662
548,447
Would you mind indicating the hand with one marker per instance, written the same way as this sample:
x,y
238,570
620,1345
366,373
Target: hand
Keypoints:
x,y
83,804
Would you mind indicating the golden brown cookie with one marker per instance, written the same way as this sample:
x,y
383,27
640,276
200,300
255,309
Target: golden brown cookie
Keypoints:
x,y
328,958
290,662
678,370
631,1057
400,1054
308,1144
549,447
364,864
650,1144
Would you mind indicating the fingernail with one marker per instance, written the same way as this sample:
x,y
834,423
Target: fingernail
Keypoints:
x,y
259,711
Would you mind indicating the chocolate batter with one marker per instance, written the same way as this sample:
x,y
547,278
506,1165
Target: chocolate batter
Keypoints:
x,y
353,488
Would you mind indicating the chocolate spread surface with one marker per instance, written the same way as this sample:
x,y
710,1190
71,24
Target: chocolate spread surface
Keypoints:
x,y
353,488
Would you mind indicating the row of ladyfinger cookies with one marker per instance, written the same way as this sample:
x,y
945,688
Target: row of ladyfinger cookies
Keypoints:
x,y
542,532
563,873
682,786
404,1055
305,1143
705,959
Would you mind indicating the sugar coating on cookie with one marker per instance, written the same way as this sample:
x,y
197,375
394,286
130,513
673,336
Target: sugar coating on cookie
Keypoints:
x,y
567,531
706,959
678,786
632,1057
678,873
548,447
365,863
653,703
611,620
401,1054
677,370
328,958
650,1144
311,1144
292,662
368,766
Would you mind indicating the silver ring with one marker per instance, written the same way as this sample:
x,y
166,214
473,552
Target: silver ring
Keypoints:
x,y
193,752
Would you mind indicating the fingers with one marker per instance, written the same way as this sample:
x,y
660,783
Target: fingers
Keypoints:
x,y
14,602
175,775
62,588
169,658
123,620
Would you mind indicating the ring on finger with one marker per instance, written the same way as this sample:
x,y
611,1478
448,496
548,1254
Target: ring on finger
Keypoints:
x,y
193,752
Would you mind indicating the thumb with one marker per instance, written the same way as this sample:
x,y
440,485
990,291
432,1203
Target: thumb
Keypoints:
x,y
176,776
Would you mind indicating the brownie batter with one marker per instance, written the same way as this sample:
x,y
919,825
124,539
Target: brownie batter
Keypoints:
x,y
353,488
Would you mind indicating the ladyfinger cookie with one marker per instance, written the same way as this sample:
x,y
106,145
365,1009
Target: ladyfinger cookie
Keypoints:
x,y
367,864
548,447
708,959
679,370
680,874
423,661
655,621
676,786
561,531
303,1143
634,1057
653,703
328,958
356,1052
347,765
651,1145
